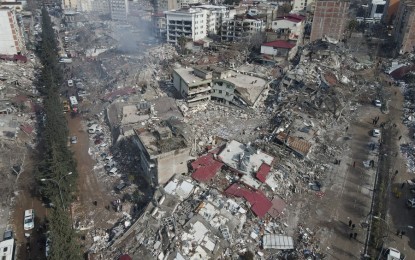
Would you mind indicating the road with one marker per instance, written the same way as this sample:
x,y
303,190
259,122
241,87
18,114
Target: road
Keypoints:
x,y
349,187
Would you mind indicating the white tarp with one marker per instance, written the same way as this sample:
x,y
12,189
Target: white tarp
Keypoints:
x,y
273,241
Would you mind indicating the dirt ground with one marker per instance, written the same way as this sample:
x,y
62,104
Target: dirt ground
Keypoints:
x,y
349,187
27,199
89,189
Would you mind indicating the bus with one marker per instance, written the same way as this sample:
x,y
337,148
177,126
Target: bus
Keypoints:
x,y
74,103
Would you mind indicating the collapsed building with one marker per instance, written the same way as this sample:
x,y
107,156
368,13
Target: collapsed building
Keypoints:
x,y
202,84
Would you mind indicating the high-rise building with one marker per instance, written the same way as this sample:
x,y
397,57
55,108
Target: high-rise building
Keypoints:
x,y
239,27
11,36
330,19
189,23
119,9
303,5
404,27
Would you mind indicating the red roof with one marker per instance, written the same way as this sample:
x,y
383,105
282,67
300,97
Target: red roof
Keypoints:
x,y
263,172
26,128
278,206
260,204
280,44
292,17
125,257
206,168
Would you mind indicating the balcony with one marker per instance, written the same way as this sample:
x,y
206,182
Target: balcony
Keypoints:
x,y
199,89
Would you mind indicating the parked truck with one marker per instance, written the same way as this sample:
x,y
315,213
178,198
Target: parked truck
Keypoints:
x,y
74,103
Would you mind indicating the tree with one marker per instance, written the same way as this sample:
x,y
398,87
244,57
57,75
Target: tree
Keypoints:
x,y
56,159
352,26
248,255
182,43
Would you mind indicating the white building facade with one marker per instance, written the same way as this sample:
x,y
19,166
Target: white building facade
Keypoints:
x,y
377,10
190,23
303,5
119,9
234,29
11,36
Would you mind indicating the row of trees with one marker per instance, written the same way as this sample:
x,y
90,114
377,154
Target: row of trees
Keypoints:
x,y
56,170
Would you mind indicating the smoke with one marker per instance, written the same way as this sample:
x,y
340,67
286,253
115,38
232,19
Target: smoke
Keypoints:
x,y
133,38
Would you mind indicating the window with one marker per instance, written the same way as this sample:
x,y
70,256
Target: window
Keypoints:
x,y
220,91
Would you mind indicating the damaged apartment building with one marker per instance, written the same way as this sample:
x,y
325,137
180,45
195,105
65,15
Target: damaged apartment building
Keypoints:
x,y
164,151
202,84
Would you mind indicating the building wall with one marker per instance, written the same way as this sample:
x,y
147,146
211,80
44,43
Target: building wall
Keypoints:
x,y
119,9
330,19
300,5
404,27
269,50
11,37
171,163
180,85
70,4
100,6
223,91
191,24
377,9
234,29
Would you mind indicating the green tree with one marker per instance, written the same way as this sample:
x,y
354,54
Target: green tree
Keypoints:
x,y
352,26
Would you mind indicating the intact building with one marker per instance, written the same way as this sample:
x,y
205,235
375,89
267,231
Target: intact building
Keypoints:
x,y
303,5
240,27
377,10
330,20
119,9
11,36
189,23
404,27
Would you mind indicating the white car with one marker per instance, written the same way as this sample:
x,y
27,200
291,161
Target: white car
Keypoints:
x,y
375,132
393,254
70,83
377,103
29,219
74,139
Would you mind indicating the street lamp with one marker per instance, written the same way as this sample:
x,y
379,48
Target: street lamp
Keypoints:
x,y
58,183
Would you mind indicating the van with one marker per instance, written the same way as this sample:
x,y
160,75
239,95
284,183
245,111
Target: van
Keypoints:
x,y
108,158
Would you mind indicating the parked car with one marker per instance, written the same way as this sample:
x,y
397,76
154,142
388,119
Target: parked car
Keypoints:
x,y
377,103
8,234
375,132
74,139
410,203
29,219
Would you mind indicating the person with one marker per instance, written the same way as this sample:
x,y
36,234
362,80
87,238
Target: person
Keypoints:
x,y
403,185
400,137
350,235
353,226
354,235
402,233
350,223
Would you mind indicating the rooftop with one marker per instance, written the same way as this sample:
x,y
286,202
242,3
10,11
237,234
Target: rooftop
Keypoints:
x,y
244,158
249,87
156,144
205,168
260,204
189,77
